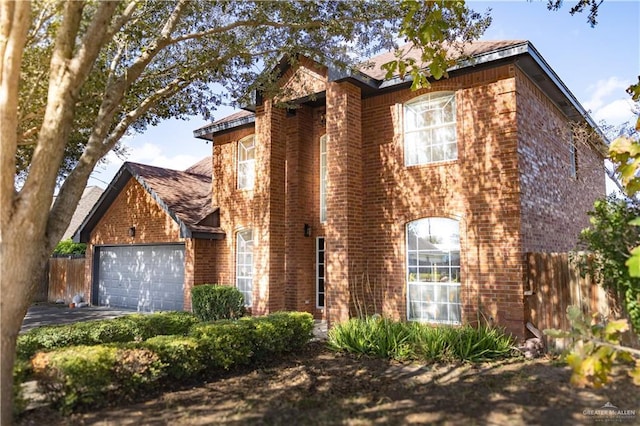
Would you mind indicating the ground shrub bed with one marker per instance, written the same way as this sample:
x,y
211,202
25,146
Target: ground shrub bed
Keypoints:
x,y
135,327
77,376
385,338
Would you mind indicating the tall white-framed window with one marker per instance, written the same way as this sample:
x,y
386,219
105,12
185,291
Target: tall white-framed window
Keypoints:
x,y
433,270
244,264
573,158
430,129
323,178
320,272
246,162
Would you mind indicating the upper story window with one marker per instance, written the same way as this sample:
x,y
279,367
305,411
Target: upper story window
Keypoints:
x,y
246,162
573,158
430,129
323,178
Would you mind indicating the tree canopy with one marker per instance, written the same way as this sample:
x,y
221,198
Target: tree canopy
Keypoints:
x,y
140,77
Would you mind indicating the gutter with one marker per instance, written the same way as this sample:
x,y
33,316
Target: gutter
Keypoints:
x,y
202,132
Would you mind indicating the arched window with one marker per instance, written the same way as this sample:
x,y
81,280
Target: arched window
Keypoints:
x,y
246,162
244,264
433,270
430,129
323,178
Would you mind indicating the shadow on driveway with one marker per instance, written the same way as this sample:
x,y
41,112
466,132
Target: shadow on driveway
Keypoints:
x,y
50,314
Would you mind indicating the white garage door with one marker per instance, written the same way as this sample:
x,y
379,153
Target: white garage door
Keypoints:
x,y
145,278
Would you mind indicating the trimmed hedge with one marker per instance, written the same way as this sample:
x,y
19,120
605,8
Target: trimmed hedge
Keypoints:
x,y
129,328
88,376
215,302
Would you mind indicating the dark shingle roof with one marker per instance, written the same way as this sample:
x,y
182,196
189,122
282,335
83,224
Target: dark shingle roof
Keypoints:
x,y
373,69
185,196
90,196
203,167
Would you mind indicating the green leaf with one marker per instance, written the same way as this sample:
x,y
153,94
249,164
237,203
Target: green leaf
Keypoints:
x,y
615,327
633,263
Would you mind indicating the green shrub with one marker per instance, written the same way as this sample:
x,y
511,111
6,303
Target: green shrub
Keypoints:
x,y
182,357
129,328
280,332
75,376
225,343
384,338
136,368
69,247
216,302
610,237
83,376
162,323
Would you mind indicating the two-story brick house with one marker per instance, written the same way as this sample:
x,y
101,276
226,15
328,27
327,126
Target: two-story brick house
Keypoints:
x,y
366,195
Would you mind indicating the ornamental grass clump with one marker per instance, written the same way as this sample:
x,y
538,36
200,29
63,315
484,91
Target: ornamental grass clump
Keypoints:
x,y
385,338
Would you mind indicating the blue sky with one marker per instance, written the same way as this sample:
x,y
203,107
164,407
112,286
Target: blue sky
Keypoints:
x,y
596,64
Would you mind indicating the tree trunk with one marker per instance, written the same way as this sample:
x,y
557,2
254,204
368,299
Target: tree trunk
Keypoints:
x,y
22,261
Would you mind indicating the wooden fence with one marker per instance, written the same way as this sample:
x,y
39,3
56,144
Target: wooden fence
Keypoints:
x,y
65,278
554,283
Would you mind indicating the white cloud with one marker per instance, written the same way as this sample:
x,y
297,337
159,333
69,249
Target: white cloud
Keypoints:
x,y
616,112
154,155
603,91
148,153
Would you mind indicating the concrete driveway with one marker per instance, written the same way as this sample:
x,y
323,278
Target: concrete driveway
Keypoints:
x,y
49,314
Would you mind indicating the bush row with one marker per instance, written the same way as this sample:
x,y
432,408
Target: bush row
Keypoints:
x,y
82,376
385,338
129,328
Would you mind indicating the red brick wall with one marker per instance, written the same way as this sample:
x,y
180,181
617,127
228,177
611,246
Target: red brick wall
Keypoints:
x,y
345,232
135,207
236,206
302,143
554,204
480,189
285,198
372,196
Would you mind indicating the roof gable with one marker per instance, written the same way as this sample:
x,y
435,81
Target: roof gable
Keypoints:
x,y
184,196
304,79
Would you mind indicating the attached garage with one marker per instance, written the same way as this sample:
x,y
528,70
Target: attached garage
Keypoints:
x,y
150,238
146,278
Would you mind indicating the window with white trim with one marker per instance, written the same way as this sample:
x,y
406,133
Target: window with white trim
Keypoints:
x,y
246,162
433,270
244,264
430,129
323,178
320,272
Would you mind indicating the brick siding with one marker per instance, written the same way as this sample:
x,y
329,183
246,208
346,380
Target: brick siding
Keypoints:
x,y
509,189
